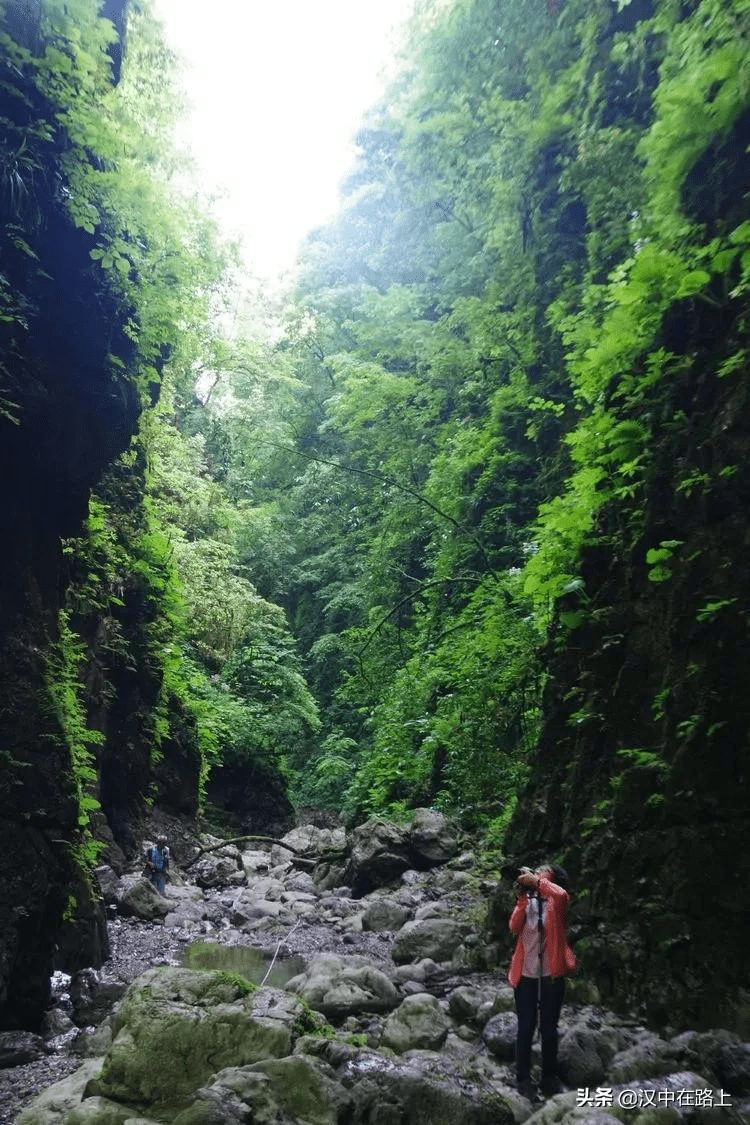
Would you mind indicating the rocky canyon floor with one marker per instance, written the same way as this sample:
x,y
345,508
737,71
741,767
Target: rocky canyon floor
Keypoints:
x,y
381,1002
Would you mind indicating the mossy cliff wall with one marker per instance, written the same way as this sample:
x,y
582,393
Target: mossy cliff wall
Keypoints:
x,y
66,413
640,780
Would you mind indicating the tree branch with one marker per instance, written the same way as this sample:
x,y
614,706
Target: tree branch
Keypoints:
x,y
243,840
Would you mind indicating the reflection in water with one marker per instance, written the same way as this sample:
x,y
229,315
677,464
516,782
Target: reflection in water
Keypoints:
x,y
249,962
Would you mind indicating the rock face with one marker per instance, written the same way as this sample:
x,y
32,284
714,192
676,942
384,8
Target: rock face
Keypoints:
x,y
247,800
75,414
640,782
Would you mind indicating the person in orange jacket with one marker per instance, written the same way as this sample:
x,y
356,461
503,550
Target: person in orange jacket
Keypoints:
x,y
540,988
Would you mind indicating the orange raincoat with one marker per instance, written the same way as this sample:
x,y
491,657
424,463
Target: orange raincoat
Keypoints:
x,y
560,956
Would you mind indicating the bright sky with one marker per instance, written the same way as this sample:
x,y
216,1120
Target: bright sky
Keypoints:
x,y
278,89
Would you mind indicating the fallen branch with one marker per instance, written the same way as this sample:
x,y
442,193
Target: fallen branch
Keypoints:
x,y
244,840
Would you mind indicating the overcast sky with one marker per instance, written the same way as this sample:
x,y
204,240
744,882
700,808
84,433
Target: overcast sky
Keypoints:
x,y
278,88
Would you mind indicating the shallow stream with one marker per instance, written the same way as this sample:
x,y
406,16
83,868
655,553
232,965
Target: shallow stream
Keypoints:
x,y
248,961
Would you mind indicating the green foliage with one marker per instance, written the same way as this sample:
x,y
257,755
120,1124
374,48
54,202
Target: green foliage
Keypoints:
x,y
363,519
66,692
659,558
240,985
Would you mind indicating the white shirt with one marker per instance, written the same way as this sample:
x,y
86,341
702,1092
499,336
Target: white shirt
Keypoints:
x,y
530,939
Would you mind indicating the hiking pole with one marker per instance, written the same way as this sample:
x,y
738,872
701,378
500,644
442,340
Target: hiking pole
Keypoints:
x,y
540,930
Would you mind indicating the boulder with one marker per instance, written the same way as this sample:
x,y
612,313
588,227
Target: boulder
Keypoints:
x,y
255,863
384,915
251,910
93,995
417,971
19,1047
648,1057
583,1057
311,841
427,1089
419,1023
723,1052
185,915
432,840
470,1005
195,1023
140,899
102,1111
499,1035
436,938
286,1091
379,854
56,1022
329,874
52,1106
219,869
341,986
300,881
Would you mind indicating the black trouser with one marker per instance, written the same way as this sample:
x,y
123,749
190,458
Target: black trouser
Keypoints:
x,y
527,1000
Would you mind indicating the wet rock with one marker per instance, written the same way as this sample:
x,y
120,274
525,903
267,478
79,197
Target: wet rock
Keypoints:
x,y
436,938
140,899
419,1023
432,840
286,1091
428,1090
379,854
583,1057
341,986
384,914
18,1047
93,994
53,1104
499,1035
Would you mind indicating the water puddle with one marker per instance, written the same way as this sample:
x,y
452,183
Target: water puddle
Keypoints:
x,y
251,963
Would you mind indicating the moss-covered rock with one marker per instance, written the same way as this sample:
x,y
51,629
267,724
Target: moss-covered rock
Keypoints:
x,y
178,1027
53,1105
286,1091
419,1023
343,986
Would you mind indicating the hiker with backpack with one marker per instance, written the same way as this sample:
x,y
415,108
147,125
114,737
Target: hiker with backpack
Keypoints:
x,y
157,863
540,961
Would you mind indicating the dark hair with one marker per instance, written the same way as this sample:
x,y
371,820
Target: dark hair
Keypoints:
x,y
560,876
